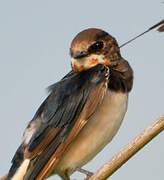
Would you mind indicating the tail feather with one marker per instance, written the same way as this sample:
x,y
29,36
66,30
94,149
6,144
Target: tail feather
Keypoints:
x,y
19,165
21,171
30,168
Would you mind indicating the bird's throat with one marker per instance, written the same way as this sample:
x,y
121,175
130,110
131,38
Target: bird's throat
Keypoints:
x,y
86,63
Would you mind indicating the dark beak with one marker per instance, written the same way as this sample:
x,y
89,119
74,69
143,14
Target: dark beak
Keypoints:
x,y
80,54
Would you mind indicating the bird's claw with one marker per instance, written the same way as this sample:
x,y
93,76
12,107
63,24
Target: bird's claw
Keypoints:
x,y
87,173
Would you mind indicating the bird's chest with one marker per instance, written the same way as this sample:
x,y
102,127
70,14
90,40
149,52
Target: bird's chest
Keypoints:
x,y
107,119
99,130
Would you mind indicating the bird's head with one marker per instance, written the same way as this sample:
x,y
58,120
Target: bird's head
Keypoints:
x,y
91,47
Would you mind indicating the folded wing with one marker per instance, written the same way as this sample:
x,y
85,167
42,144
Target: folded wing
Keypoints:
x,y
58,121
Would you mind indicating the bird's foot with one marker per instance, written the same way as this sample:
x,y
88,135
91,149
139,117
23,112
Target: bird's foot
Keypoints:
x,y
87,173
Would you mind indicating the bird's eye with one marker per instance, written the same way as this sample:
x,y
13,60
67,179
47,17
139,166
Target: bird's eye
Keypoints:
x,y
96,46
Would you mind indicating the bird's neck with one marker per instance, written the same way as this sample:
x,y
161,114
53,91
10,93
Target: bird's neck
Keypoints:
x,y
121,77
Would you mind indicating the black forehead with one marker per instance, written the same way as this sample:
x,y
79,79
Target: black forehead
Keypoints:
x,y
101,35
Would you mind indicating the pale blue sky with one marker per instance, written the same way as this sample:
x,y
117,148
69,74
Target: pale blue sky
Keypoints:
x,y
34,53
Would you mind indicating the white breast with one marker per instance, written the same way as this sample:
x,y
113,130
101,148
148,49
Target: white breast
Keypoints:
x,y
99,131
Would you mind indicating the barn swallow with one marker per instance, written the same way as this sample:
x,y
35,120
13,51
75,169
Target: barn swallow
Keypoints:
x,y
81,114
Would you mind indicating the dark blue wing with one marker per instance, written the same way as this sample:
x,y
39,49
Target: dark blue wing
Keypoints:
x,y
56,117
66,101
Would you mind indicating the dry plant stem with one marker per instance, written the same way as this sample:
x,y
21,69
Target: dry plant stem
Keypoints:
x,y
128,151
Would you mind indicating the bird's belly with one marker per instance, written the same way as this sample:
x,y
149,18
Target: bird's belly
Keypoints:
x,y
99,131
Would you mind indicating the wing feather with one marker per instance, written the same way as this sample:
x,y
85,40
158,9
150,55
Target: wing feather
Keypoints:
x,y
59,119
89,108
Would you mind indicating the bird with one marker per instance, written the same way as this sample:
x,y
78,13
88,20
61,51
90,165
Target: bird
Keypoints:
x,y
81,114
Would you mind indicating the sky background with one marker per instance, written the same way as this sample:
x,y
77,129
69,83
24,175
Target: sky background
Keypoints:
x,y
35,36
